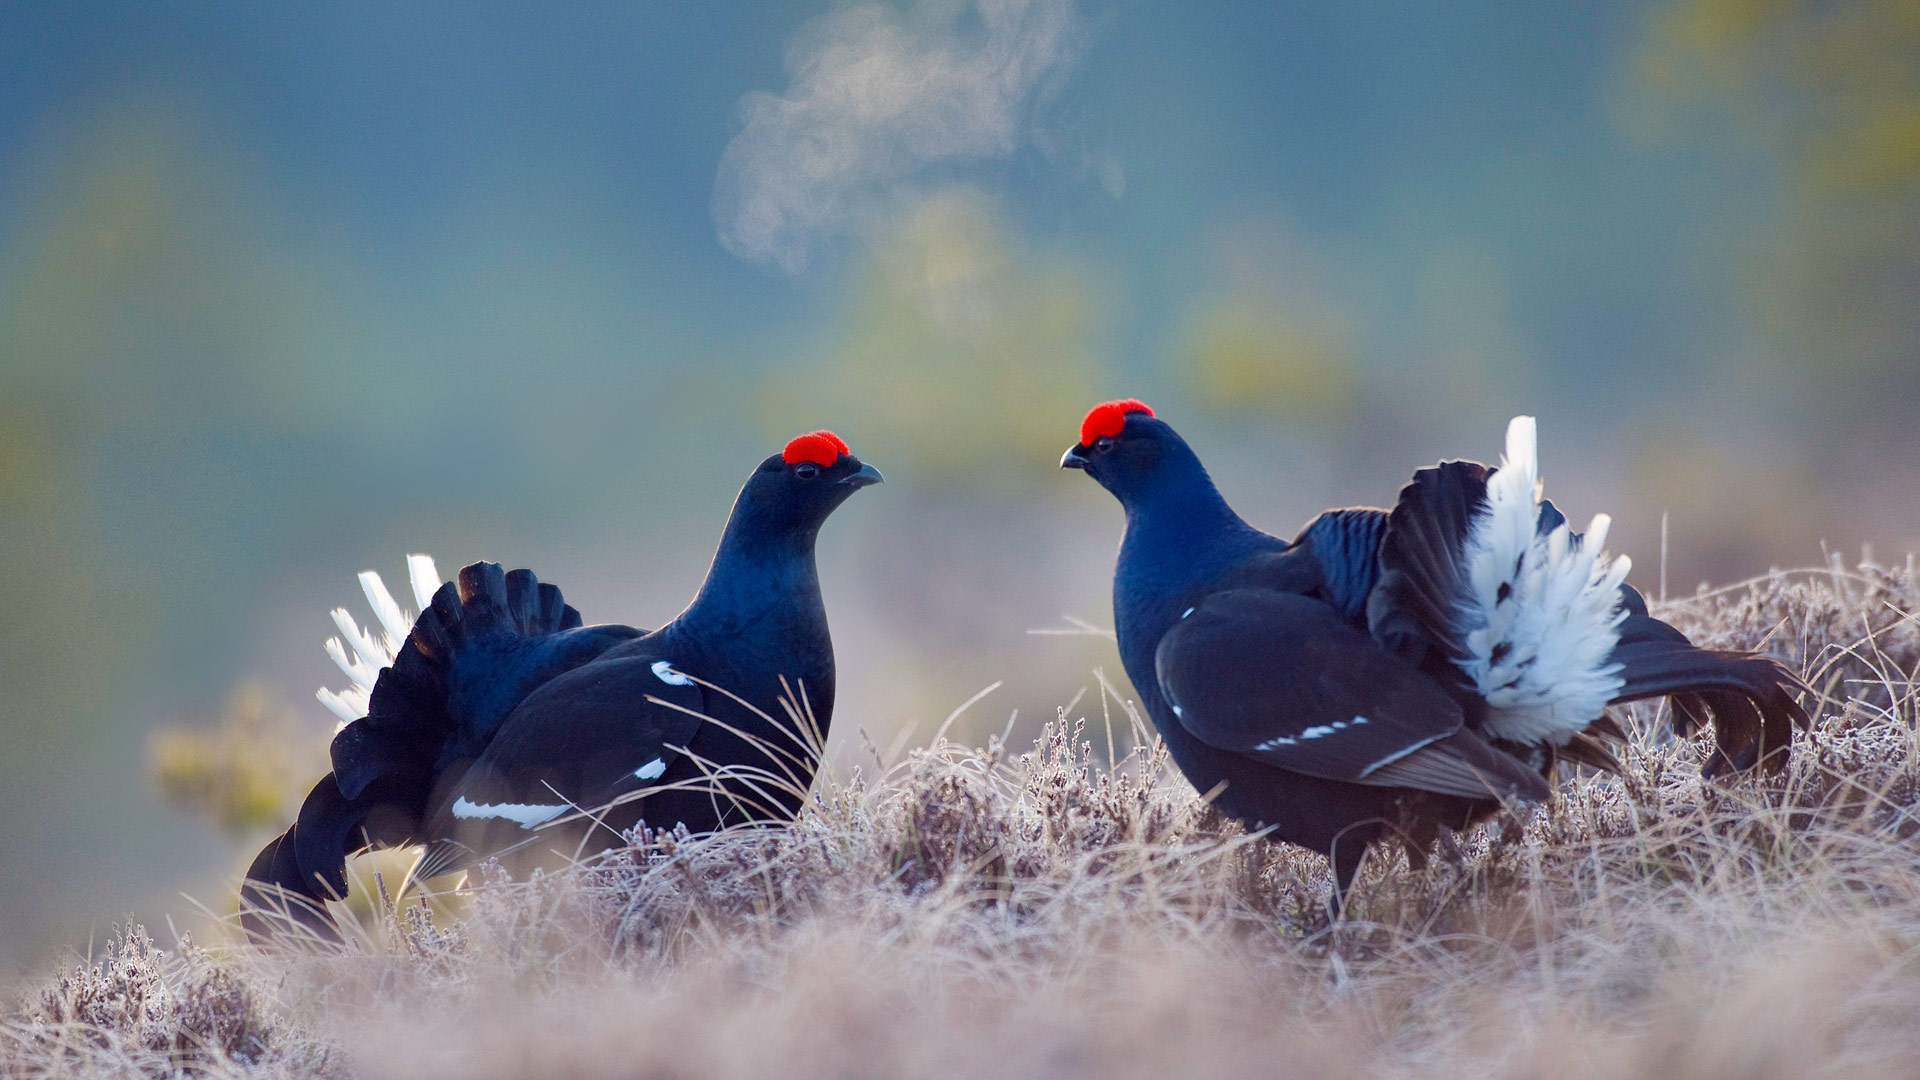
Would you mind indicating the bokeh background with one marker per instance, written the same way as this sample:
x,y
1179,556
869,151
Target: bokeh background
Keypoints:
x,y
288,291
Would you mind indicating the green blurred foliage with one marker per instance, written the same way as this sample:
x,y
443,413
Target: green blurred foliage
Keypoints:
x,y
955,336
1834,86
1838,79
26,460
245,774
145,348
145,284
1264,337
1250,357
247,771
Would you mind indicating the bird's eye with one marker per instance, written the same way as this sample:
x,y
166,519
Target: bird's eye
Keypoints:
x,y
1103,444
806,470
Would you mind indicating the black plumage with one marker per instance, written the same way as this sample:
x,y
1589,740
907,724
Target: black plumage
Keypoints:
x,y
506,727
1386,673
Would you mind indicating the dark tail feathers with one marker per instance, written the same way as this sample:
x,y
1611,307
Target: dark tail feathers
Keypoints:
x,y
1413,610
451,684
1751,701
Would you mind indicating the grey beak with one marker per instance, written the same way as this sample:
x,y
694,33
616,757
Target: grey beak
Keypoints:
x,y
1073,459
866,477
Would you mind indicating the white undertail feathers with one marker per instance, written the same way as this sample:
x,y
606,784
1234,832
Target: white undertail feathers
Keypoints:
x,y
1543,609
362,654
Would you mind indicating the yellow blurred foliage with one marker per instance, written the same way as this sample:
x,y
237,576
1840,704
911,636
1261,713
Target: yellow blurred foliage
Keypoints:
x,y
1834,89
247,774
962,355
244,773
1840,80
27,476
1250,357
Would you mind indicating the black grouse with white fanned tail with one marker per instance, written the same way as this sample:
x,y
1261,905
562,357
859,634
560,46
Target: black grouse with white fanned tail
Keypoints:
x,y
1387,673
499,724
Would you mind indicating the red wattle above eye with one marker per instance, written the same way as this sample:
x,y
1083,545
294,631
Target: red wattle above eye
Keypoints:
x,y
823,448
1108,417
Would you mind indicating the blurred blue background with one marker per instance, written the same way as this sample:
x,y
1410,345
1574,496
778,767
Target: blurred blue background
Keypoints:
x,y
288,291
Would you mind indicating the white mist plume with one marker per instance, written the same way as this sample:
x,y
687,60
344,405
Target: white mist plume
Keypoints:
x,y
875,96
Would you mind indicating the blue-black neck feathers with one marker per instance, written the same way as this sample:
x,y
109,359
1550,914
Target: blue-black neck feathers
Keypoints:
x,y
1180,535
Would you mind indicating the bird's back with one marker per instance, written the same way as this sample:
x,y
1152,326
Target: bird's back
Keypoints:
x,y
1346,544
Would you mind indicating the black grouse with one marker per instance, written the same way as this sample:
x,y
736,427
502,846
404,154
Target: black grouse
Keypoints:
x,y
1387,673
500,720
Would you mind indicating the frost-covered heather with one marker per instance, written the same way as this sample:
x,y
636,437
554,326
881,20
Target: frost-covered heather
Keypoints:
x,y
999,913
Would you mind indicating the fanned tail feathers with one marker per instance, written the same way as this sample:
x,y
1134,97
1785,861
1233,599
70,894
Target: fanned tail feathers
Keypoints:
x,y
370,654
1484,584
1542,609
421,693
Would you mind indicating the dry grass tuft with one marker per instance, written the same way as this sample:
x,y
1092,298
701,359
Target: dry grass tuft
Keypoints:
x,y
971,912
142,1010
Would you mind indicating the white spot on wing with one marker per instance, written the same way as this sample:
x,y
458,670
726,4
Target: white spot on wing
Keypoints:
x,y
526,815
1186,613
664,671
1318,731
651,770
